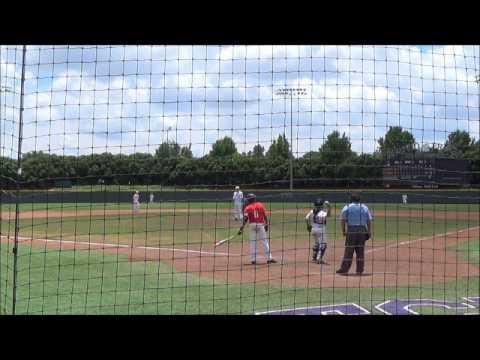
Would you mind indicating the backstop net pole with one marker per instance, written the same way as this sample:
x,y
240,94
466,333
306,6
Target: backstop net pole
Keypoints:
x,y
19,174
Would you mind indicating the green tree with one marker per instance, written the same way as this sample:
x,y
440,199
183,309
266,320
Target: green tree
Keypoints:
x,y
368,170
279,149
396,140
186,172
336,149
258,151
277,161
167,150
223,147
458,144
7,171
473,154
38,166
165,160
186,152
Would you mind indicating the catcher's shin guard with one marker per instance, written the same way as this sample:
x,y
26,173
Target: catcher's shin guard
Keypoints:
x,y
323,248
315,249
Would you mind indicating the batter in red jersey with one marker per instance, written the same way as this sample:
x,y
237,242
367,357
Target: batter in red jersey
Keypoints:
x,y
255,214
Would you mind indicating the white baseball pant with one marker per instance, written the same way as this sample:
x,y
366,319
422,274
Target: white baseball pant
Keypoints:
x,y
257,232
320,239
238,211
136,207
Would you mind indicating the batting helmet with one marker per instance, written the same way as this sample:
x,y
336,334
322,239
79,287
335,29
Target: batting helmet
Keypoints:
x,y
250,198
318,202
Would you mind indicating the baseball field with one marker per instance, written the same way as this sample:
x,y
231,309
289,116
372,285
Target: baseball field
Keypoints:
x,y
79,258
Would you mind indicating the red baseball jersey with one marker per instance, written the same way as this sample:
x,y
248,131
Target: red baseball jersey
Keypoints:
x,y
255,212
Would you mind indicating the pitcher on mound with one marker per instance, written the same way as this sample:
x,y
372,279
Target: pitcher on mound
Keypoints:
x,y
238,204
136,202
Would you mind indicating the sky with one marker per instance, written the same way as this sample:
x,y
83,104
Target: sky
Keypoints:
x,y
126,99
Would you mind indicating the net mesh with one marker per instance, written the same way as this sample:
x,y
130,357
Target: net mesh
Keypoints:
x,y
89,126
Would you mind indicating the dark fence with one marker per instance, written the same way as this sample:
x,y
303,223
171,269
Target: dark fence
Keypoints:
x,y
417,197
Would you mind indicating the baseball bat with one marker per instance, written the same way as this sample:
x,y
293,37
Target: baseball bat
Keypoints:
x,y
225,240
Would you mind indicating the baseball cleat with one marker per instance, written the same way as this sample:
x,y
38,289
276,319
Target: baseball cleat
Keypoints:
x,y
271,261
341,272
322,262
253,262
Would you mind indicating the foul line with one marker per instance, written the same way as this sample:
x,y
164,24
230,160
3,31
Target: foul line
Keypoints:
x,y
126,246
229,254
422,239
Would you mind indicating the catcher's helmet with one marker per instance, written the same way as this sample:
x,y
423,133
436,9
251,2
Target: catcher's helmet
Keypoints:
x,y
250,198
318,202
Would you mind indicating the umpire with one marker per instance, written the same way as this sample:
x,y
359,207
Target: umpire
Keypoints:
x,y
357,227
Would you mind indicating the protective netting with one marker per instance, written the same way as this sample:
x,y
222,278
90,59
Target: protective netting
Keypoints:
x,y
83,128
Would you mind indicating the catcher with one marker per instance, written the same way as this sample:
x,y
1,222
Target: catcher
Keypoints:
x,y
317,225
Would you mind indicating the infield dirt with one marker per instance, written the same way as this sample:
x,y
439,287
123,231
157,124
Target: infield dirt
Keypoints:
x,y
408,263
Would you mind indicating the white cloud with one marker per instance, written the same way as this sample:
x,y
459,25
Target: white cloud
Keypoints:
x,y
205,91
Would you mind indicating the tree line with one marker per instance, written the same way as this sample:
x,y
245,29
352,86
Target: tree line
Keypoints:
x,y
333,164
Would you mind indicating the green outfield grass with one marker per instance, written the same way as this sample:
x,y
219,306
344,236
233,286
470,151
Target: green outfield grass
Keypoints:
x,y
228,205
470,251
80,282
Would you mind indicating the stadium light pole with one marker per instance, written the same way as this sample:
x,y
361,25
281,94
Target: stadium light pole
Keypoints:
x,y
291,92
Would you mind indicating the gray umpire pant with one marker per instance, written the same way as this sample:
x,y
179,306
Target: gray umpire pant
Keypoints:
x,y
354,243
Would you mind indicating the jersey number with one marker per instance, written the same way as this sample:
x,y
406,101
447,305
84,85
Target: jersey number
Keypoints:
x,y
255,214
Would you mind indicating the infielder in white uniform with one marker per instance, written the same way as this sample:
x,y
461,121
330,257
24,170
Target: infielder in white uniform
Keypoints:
x,y
238,204
136,202
404,198
317,225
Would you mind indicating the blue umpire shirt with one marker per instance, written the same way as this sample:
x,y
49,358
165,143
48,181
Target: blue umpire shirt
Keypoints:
x,y
355,214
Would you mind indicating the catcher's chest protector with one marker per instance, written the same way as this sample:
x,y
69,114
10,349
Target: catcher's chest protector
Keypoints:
x,y
320,217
